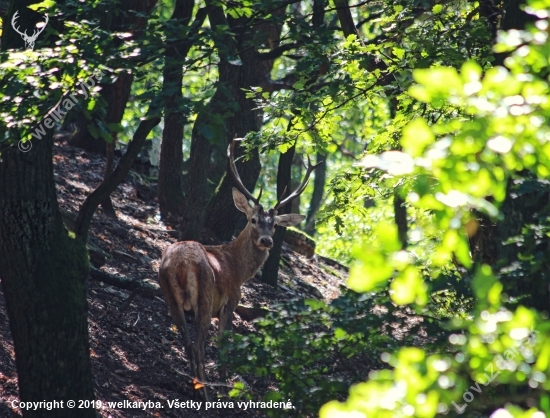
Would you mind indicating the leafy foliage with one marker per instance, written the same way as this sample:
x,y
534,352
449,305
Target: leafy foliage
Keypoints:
x,y
313,350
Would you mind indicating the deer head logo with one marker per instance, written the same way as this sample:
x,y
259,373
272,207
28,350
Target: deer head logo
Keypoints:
x,y
29,40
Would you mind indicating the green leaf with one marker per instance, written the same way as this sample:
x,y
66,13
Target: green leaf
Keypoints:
x,y
408,287
46,4
417,135
372,270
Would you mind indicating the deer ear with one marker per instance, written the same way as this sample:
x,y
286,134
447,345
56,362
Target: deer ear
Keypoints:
x,y
289,220
241,203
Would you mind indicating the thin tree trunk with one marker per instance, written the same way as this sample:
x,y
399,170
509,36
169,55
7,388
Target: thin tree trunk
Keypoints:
x,y
400,218
170,180
109,184
132,18
107,204
317,195
270,272
295,178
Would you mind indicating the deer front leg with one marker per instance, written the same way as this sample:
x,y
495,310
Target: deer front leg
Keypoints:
x,y
225,324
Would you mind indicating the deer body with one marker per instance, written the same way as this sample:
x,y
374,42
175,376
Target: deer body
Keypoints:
x,y
207,279
185,263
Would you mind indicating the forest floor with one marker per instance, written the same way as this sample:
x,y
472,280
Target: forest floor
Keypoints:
x,y
138,356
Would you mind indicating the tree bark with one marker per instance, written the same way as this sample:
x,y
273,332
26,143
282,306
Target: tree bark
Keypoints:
x,y
295,179
400,218
44,283
317,195
270,272
170,180
229,113
518,210
43,272
115,94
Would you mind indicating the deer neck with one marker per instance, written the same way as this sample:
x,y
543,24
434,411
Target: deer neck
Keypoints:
x,y
247,255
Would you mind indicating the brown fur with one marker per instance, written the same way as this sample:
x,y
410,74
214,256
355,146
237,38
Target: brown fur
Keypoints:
x,y
207,279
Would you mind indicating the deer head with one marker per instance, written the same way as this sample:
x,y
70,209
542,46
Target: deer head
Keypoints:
x,y
261,222
29,40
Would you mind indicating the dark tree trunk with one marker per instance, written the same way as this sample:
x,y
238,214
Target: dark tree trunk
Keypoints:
x,y
43,273
170,180
229,113
317,195
400,218
221,215
518,210
107,204
270,272
295,179
321,171
116,94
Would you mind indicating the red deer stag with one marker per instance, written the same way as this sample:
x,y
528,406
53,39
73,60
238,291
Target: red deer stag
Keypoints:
x,y
207,279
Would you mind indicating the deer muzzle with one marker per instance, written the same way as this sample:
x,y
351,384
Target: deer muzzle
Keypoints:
x,y
265,242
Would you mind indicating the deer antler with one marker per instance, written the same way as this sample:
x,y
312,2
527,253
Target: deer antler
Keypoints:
x,y
39,31
233,167
13,19
299,190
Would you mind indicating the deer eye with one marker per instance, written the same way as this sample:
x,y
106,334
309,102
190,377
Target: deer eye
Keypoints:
x,y
253,220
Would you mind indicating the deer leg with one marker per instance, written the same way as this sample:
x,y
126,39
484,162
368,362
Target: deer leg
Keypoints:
x,y
225,324
202,325
179,320
187,345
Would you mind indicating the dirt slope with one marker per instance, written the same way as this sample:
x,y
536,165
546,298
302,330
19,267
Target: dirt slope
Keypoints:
x,y
138,356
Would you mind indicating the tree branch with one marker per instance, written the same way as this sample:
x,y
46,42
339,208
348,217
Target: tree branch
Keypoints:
x,y
109,184
277,52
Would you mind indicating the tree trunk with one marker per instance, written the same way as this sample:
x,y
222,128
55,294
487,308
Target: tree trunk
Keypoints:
x,y
317,195
400,218
270,272
170,181
43,272
229,113
518,210
107,204
110,183
295,179
116,95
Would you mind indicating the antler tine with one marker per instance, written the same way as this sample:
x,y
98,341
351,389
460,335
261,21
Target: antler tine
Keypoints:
x,y
13,19
233,167
299,190
40,30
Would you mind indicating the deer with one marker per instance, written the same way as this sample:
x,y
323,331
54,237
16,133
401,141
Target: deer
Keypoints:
x,y
207,279
29,40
